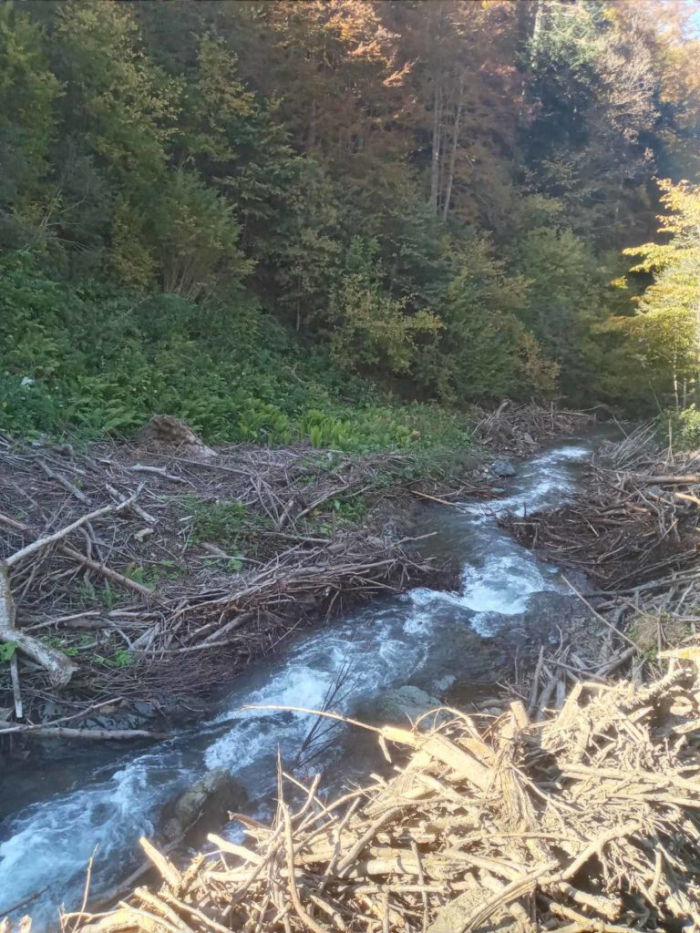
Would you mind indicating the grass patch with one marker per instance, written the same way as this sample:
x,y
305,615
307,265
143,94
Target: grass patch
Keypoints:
x,y
225,523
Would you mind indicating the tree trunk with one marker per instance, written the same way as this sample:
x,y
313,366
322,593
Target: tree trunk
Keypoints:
x,y
537,28
453,151
524,23
435,160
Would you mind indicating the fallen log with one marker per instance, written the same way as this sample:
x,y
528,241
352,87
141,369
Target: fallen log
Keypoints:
x,y
87,562
59,667
66,732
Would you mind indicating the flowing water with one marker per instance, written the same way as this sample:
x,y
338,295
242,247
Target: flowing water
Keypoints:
x,y
435,640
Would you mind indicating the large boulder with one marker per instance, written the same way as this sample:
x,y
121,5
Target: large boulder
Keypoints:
x,y
207,801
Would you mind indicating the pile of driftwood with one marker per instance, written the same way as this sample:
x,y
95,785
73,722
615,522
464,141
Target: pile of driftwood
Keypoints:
x,y
520,428
115,578
585,820
634,528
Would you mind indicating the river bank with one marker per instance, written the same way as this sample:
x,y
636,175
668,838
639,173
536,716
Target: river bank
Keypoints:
x,y
140,575
455,645
566,801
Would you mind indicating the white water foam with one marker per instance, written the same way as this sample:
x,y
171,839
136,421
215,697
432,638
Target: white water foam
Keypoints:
x,y
50,842
383,651
547,483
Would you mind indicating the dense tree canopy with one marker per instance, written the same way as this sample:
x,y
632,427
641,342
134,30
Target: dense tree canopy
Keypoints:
x,y
438,192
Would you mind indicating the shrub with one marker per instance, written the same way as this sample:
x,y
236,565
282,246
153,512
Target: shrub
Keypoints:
x,y
94,359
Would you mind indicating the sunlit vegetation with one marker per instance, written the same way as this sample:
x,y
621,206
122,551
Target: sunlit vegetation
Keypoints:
x,y
343,220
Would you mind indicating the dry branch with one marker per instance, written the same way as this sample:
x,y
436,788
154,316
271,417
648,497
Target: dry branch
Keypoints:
x,y
540,840
58,665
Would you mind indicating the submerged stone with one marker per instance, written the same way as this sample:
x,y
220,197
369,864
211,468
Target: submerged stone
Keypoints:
x,y
207,800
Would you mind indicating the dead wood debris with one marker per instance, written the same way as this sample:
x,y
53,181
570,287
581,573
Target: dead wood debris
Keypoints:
x,y
114,588
634,532
107,580
584,820
519,429
634,528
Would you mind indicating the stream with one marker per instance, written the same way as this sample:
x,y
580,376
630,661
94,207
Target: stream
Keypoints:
x,y
101,800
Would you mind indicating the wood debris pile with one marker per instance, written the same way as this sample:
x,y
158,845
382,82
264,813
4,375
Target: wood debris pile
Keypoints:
x,y
634,528
586,821
123,568
519,429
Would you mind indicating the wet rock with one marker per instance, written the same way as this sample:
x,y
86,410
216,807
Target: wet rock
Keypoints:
x,y
399,706
442,684
144,709
503,468
49,711
547,615
208,801
129,714
122,719
182,706
459,650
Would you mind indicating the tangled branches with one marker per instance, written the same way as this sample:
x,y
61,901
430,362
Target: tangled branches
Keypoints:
x,y
126,569
635,527
584,822
519,428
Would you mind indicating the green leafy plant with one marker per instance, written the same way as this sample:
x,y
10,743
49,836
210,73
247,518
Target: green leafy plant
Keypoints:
x,y
7,651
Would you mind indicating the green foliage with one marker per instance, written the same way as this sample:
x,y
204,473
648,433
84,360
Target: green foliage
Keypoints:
x,y
369,327
197,236
93,359
685,429
104,594
7,651
427,193
28,90
221,522
482,348
119,659
660,344
567,294
127,106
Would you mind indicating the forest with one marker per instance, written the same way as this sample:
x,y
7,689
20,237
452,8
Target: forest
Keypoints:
x,y
346,220
309,311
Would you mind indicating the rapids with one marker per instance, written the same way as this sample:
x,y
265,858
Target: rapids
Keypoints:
x,y
100,803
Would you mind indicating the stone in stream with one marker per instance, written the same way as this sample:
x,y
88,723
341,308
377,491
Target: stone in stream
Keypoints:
x,y
399,706
503,468
207,801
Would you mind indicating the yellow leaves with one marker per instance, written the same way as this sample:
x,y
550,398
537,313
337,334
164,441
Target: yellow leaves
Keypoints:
x,y
538,373
372,327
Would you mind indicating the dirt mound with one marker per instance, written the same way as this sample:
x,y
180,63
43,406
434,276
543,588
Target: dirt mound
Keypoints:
x,y
166,434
